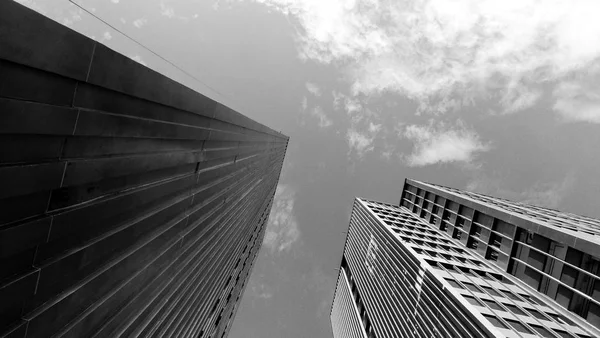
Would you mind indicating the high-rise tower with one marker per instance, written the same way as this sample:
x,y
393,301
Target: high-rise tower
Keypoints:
x,y
412,270
130,205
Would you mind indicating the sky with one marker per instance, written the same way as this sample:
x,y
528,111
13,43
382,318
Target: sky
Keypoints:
x,y
496,97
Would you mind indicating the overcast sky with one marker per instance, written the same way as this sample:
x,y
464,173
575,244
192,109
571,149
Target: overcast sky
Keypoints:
x,y
498,97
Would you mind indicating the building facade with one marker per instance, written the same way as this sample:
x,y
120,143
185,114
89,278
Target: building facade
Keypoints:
x,y
130,205
403,274
556,253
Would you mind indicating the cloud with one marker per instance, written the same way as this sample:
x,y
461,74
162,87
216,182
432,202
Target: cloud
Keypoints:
x,y
138,23
577,101
282,229
115,1
304,103
324,121
466,50
440,144
359,142
363,129
106,36
313,89
166,10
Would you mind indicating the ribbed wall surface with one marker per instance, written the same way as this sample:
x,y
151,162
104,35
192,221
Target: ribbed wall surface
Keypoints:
x,y
401,298
345,320
130,205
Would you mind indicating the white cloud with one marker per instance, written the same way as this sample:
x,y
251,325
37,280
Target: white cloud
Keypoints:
x,y
313,89
435,50
576,101
352,105
115,1
123,21
324,121
304,103
363,129
374,128
138,23
360,142
442,145
282,230
166,10
337,99
106,36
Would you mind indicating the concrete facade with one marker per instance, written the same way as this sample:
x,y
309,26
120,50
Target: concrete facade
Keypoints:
x,y
406,273
130,205
555,253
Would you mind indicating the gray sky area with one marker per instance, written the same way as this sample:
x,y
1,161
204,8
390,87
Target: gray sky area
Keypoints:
x,y
498,97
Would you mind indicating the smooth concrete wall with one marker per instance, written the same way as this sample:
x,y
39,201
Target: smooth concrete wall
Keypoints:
x,y
130,205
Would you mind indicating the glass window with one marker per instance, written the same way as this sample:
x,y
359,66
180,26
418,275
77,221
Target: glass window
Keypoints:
x,y
472,300
537,314
510,295
491,291
518,326
560,318
471,287
542,331
454,284
532,278
493,305
514,309
563,334
495,321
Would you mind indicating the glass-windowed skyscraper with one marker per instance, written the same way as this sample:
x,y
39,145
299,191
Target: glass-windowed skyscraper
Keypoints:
x,y
448,263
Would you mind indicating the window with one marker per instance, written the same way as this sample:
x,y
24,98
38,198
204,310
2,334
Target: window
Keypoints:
x,y
495,321
563,296
532,277
476,231
471,287
472,300
457,234
503,227
491,291
518,326
560,318
542,331
454,284
537,314
493,305
472,243
563,334
495,240
514,309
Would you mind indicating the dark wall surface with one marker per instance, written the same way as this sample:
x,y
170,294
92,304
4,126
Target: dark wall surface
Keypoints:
x,y
130,205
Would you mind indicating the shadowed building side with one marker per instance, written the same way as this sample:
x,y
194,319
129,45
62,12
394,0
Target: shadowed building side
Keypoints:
x,y
130,205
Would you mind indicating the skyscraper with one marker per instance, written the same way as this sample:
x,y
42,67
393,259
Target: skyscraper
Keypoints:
x,y
413,270
130,205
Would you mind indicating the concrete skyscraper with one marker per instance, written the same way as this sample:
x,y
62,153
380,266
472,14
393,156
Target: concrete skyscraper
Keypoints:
x,y
449,263
130,205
